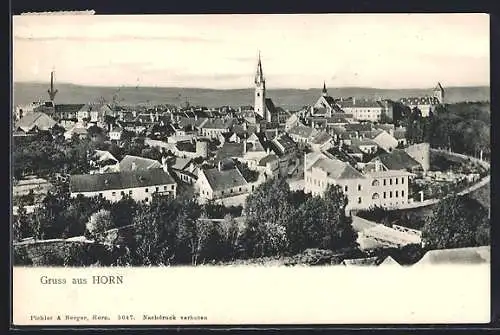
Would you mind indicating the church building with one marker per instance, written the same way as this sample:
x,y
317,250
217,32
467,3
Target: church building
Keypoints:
x,y
263,107
325,106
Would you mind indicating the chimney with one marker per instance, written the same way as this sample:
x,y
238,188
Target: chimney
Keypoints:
x,y
245,146
245,128
196,117
377,166
353,100
219,166
134,166
268,151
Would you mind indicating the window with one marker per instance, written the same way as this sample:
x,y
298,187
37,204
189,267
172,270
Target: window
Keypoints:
x,y
359,187
147,190
397,181
113,193
403,180
345,188
130,192
375,196
222,192
100,194
397,194
390,181
385,195
359,200
258,94
239,189
390,194
146,199
231,191
164,188
172,187
157,189
375,183
384,182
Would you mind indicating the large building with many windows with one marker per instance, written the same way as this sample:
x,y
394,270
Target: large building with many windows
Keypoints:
x,y
375,188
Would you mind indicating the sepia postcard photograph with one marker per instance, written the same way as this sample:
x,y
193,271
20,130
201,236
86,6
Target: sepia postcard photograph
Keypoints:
x,y
250,169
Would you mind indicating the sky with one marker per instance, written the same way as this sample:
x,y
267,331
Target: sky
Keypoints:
x,y
220,51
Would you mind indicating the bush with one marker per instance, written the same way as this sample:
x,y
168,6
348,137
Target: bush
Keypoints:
x,y
21,257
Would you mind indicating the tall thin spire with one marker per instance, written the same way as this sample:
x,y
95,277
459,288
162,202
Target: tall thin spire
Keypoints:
x,y
259,75
52,91
324,89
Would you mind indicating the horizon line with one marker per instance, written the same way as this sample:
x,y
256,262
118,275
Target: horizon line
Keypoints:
x,y
245,88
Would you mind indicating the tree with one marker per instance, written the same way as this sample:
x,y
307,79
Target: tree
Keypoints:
x,y
268,213
164,232
99,223
340,233
123,211
456,222
231,234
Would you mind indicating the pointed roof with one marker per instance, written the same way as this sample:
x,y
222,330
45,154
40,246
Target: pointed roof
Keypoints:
x,y
259,75
324,89
438,87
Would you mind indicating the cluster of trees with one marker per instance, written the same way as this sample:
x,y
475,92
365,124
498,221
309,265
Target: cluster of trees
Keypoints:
x,y
48,153
457,221
45,154
182,231
462,127
279,221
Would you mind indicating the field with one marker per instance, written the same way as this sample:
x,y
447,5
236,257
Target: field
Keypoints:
x,y
292,99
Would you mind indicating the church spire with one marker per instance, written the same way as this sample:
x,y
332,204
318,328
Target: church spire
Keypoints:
x,y
259,75
325,93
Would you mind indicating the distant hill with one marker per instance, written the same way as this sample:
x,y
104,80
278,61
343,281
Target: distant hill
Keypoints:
x,y
286,98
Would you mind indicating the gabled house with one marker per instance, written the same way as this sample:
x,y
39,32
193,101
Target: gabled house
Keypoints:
x,y
384,140
215,127
218,183
184,169
322,141
78,130
363,109
35,121
286,149
104,162
397,159
134,163
366,145
302,134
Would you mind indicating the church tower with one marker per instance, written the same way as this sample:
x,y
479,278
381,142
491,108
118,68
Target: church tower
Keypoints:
x,y
439,93
260,92
324,92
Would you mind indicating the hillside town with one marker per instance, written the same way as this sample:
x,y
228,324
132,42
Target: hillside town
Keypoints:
x,y
369,158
